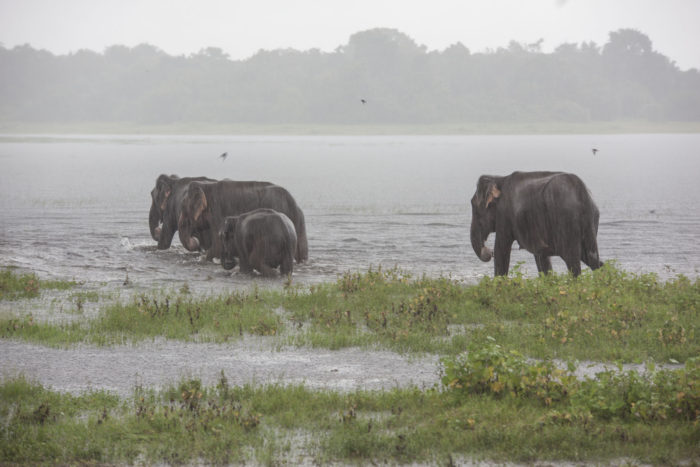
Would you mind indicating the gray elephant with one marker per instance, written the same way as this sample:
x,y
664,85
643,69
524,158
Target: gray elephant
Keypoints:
x,y
263,239
547,213
206,205
166,204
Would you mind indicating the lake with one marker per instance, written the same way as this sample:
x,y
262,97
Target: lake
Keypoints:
x,y
76,207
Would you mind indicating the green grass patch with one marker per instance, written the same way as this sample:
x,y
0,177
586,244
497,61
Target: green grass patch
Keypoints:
x,y
603,315
146,316
15,286
222,424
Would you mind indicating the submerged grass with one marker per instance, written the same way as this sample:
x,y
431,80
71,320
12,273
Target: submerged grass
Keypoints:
x,y
15,286
190,423
603,315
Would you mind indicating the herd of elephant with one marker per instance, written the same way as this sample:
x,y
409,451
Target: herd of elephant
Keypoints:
x,y
260,227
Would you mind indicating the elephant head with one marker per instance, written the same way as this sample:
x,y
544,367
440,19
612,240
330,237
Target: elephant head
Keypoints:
x,y
484,204
193,217
227,237
159,200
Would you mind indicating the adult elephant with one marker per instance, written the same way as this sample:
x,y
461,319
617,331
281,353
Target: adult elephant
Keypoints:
x,y
206,205
547,213
263,239
166,203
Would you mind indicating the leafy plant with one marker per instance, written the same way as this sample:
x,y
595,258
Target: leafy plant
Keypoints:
x,y
489,368
652,396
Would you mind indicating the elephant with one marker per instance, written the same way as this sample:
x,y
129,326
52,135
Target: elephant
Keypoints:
x,y
547,213
263,239
166,203
206,205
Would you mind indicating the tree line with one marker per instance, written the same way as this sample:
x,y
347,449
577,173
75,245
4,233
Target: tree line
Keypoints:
x,y
400,81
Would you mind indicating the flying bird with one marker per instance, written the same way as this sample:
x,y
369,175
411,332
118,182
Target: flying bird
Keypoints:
x,y
363,101
594,150
223,156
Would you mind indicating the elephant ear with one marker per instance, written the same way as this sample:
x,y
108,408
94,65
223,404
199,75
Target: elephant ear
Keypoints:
x,y
488,190
166,195
200,203
162,190
493,193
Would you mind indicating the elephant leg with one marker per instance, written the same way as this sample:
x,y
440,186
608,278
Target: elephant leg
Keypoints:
x,y
544,264
573,261
266,270
287,265
244,264
257,260
216,250
502,255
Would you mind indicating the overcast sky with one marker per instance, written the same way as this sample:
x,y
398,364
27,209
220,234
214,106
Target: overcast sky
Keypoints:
x,y
242,27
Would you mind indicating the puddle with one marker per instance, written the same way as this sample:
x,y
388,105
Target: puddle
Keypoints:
x,y
251,360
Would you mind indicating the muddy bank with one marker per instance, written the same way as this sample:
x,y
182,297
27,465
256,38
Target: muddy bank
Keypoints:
x,y
252,360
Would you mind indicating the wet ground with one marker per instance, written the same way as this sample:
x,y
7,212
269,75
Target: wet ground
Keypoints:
x,y
251,360
120,369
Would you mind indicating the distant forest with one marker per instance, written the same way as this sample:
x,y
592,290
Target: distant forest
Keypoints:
x,y
400,81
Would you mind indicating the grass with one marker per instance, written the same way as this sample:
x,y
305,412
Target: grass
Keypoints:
x,y
606,315
15,286
179,316
492,403
190,423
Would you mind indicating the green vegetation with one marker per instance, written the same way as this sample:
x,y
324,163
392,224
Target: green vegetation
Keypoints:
x,y
17,286
504,400
620,416
180,316
488,368
606,315
624,79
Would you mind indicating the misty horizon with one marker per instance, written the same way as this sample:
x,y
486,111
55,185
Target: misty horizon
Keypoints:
x,y
536,46
380,76
241,29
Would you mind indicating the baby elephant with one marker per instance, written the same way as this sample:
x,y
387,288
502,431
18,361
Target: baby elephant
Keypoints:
x,y
263,239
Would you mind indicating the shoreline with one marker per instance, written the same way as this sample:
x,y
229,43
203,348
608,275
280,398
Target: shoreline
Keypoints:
x,y
199,128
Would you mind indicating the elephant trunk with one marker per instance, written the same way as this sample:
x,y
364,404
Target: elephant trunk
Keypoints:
x,y
486,254
154,220
193,244
482,251
185,231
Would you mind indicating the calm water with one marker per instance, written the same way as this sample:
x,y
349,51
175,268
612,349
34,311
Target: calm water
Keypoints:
x,y
77,207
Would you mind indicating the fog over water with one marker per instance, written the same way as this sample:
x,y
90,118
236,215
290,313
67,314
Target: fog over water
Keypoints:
x,y
77,207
